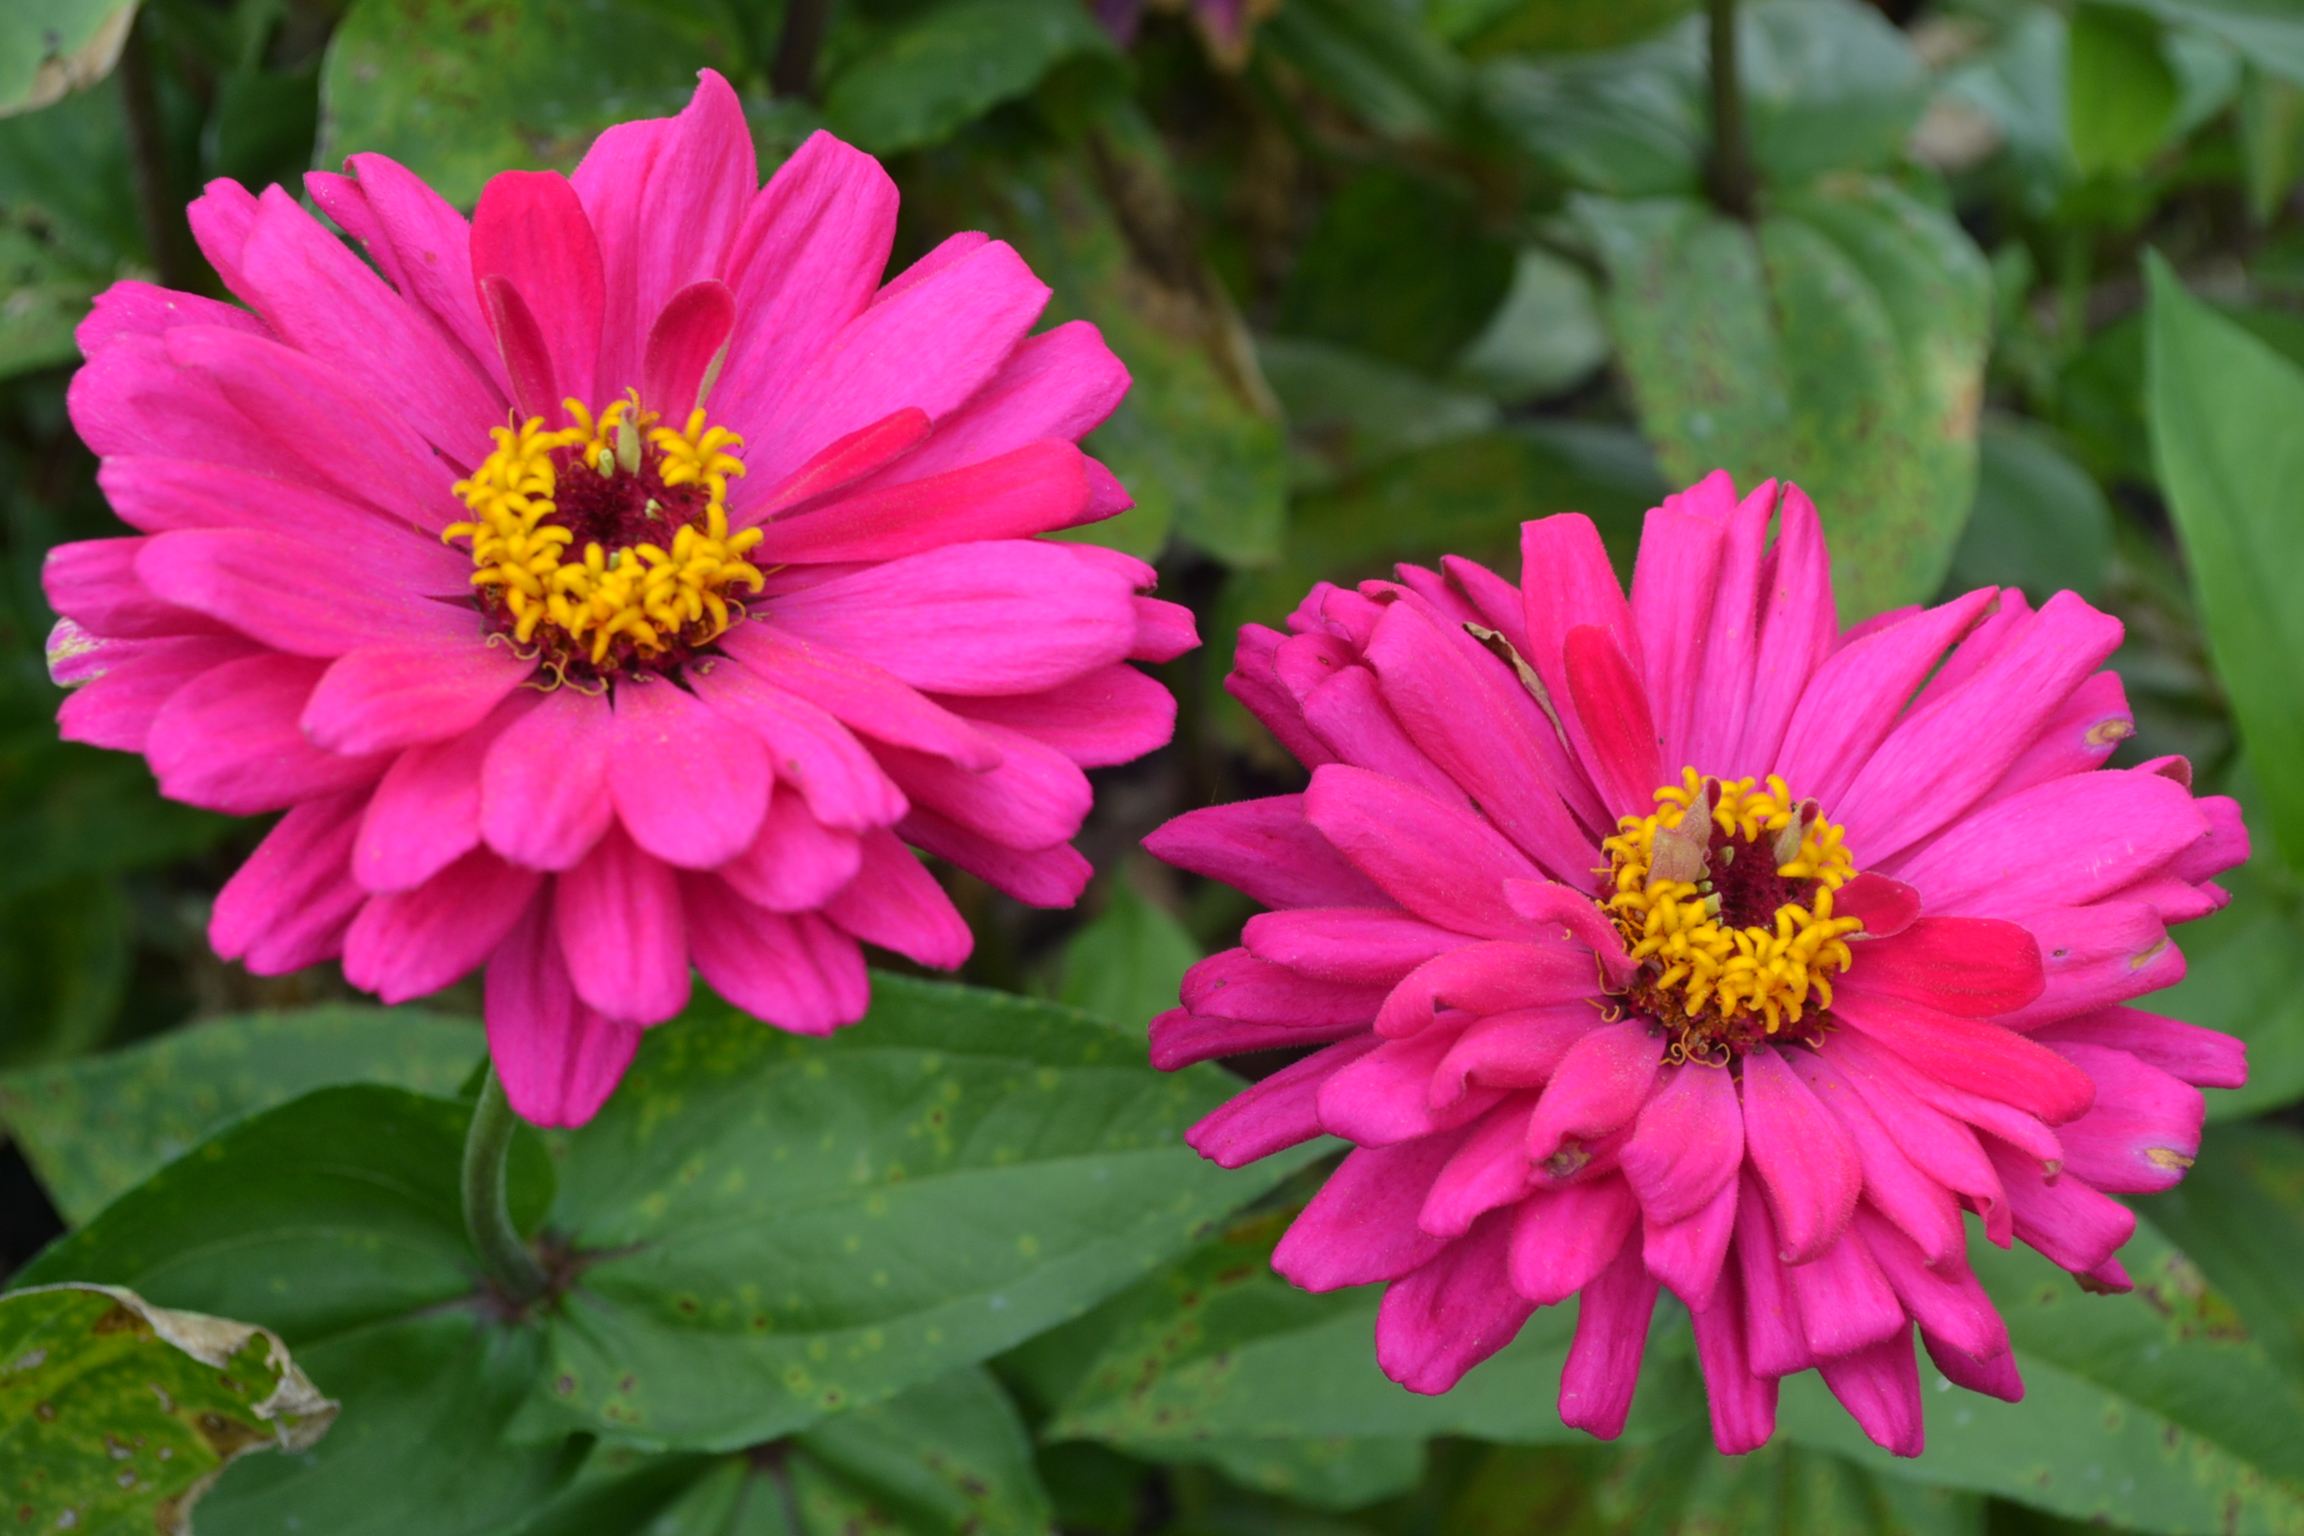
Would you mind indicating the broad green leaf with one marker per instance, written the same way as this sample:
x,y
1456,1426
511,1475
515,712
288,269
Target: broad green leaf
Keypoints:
x,y
335,1221
2268,33
2122,95
97,1126
1684,1485
1332,1473
1548,336
949,64
773,1229
116,1415
2154,1410
1489,28
2019,84
1840,345
1373,58
2271,123
1195,441
2039,522
2224,407
1348,411
1218,1349
64,959
457,92
1397,267
47,294
2239,1215
1126,965
2244,975
51,47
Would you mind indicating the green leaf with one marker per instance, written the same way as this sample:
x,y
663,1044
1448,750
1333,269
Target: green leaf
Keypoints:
x,y
772,1229
1373,58
1196,441
1546,338
64,958
336,1222
2271,123
2268,33
2153,1410
457,90
51,47
2223,405
1683,1484
1127,964
97,1126
951,63
116,1415
2122,94
1337,1472
1840,345
1347,411
2239,1215
47,294
2039,522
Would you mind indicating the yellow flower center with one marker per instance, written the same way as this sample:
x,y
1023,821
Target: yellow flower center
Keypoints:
x,y
1725,897
647,508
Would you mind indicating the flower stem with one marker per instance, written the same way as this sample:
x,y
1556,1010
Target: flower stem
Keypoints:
x,y
487,1147
794,71
166,236
1731,169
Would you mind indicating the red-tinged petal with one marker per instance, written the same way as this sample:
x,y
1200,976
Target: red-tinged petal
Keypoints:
x,y
1846,1304
1114,714
1179,1038
861,695
1995,1377
1489,1170
1036,797
426,811
1974,967
684,343
544,784
383,698
1358,944
2202,1057
1942,1297
1971,1054
689,789
2072,1224
410,944
843,462
287,907
559,1057
1034,489
1452,1313
1885,907
1600,1084
1276,1112
1686,1255
1438,862
1235,985
1612,708
895,903
2144,1130
796,863
1742,1403
1805,1161
1880,1388
1731,654
1563,1238
622,929
1687,1142
1484,979
1361,1227
1566,580
530,228
1799,623
1672,586
523,350
797,972
1040,877
1603,1366
808,749
228,740
1519,1049
1268,851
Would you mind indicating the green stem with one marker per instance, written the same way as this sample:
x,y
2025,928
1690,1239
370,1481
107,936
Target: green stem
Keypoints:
x,y
487,1148
1732,178
794,71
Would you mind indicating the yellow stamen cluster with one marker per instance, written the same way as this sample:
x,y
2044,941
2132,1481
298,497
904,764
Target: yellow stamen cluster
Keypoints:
x,y
652,593
1715,973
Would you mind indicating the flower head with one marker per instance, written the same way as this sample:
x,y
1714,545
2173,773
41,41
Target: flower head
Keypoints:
x,y
613,582
1689,942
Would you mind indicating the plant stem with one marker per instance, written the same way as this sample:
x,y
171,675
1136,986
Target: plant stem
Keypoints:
x,y
166,236
1732,180
487,1148
794,72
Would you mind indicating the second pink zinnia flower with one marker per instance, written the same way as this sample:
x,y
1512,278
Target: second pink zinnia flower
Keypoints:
x,y
616,582
1690,942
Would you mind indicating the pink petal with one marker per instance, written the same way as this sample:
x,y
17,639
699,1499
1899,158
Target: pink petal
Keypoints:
x,y
410,944
1566,581
895,903
1846,1304
1348,716
131,680
1059,385
796,972
1234,985
1997,864
684,344
1612,712
265,587
558,1056
1672,586
2095,956
796,863
2078,738
619,918
228,740
1743,1405
1686,1255
526,351
1603,1367
1996,1377
1486,979
1798,625
1600,1085
1888,1081
1489,1170
841,463
1276,1112
134,308
1179,1038
1687,1143
947,251
1731,648
1853,700
1880,1388
2202,1057
1266,850
1035,798
221,218
1112,715
133,398
1918,1202
94,582
1805,1161
1361,1227
2144,1130
2066,1220
687,784
858,693
1970,1054
425,248
1563,1238
808,749
2224,847
1437,861
1034,489
1359,944
1520,1049
1040,877
426,811
1774,1334
530,230
1974,967
1944,1298
544,784
383,698
287,907
1452,1313
1885,907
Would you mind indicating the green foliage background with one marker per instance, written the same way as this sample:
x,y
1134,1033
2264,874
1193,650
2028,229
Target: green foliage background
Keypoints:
x,y
2017,295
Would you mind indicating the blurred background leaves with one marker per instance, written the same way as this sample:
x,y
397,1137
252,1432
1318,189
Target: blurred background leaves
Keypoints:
x,y
2015,290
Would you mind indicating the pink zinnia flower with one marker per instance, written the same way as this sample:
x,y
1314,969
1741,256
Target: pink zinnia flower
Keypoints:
x,y
1690,941
617,581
